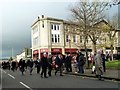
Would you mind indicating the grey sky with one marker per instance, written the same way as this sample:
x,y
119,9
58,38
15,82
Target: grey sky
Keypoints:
x,y
17,17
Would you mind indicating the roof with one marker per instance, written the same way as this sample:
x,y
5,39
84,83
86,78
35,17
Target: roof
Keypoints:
x,y
39,18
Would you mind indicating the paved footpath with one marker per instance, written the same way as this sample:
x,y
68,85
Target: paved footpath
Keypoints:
x,y
109,74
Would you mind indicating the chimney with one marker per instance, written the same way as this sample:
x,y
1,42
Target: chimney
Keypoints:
x,y
38,17
42,16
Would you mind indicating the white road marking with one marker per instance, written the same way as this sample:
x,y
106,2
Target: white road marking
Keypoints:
x,y
26,86
11,76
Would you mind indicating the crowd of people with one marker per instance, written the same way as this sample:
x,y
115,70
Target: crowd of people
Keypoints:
x,y
54,63
47,64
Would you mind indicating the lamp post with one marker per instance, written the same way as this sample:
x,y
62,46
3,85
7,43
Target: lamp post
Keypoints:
x,y
12,52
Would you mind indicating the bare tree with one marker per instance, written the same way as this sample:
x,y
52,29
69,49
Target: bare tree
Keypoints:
x,y
87,14
113,24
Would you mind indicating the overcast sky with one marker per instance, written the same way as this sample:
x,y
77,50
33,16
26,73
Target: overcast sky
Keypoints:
x,y
17,17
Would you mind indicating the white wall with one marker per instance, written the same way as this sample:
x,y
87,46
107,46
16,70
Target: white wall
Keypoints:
x,y
22,55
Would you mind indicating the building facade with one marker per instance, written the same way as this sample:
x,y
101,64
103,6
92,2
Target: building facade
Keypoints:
x,y
48,35
55,36
26,53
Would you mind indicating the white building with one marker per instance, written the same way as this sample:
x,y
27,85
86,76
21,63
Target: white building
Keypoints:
x,y
20,56
55,36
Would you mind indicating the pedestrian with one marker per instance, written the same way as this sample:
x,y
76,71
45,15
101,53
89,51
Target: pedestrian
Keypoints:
x,y
8,65
44,64
107,56
59,64
49,64
53,62
98,65
80,61
68,62
30,65
93,68
16,65
103,61
93,62
22,65
90,58
13,68
38,65
75,64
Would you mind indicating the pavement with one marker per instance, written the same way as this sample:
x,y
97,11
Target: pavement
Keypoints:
x,y
110,74
14,80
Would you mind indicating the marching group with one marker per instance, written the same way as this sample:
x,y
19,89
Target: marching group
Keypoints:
x,y
49,63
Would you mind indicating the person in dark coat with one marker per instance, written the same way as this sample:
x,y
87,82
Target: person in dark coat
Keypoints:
x,y
44,64
103,61
49,65
81,61
38,65
68,60
13,68
30,65
59,64
22,65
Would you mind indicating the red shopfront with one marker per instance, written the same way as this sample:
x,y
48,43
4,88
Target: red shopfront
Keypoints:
x,y
35,54
55,51
70,50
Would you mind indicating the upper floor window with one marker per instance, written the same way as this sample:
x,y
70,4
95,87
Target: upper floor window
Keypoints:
x,y
35,41
67,38
80,39
52,38
52,26
55,38
74,38
35,30
58,38
55,26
